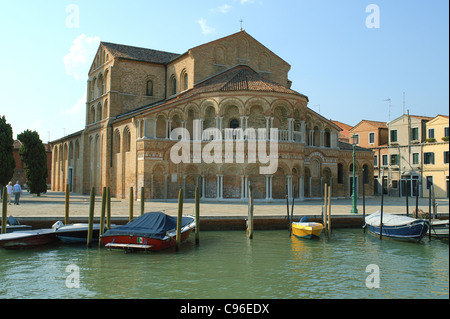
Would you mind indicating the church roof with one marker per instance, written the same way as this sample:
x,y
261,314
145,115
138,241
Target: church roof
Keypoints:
x,y
139,54
237,78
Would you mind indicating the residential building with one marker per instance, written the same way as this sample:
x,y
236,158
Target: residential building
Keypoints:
x,y
435,161
406,137
374,135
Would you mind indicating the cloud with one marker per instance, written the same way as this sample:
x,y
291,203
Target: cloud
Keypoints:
x,y
247,1
80,55
78,108
205,28
222,9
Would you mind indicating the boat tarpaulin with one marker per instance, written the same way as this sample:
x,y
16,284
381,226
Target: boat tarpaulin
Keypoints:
x,y
388,219
150,225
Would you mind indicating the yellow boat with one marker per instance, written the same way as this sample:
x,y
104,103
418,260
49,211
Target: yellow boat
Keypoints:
x,y
307,230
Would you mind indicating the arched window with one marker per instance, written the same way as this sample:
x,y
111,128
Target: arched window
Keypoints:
x,y
77,150
234,123
92,117
99,112
327,138
116,147
149,89
173,86
101,85
340,174
366,174
126,140
185,79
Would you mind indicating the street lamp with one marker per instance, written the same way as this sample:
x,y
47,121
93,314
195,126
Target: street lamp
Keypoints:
x,y
354,208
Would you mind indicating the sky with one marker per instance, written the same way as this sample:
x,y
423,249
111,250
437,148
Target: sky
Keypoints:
x,y
349,57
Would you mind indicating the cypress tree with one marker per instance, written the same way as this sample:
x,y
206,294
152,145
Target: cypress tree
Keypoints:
x,y
34,158
7,163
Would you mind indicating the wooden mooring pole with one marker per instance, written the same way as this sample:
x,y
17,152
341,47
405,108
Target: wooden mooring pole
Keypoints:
x,y
329,210
325,208
429,211
407,204
4,209
197,216
108,207
364,206
250,211
417,199
292,209
102,217
142,200
66,214
91,218
131,204
179,217
381,213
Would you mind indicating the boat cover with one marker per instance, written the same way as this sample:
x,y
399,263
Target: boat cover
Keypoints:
x,y
150,225
388,219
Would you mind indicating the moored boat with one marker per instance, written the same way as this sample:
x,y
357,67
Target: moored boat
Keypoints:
x,y
75,233
28,238
151,231
308,230
396,226
13,225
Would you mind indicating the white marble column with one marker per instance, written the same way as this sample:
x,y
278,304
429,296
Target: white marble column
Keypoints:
x,y
289,184
301,186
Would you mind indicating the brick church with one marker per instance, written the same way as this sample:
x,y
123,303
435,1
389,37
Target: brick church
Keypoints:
x,y
136,97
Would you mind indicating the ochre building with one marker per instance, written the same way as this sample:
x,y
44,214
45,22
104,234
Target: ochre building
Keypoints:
x,y
137,97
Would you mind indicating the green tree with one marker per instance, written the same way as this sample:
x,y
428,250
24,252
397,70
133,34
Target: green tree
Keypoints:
x,y
7,163
34,158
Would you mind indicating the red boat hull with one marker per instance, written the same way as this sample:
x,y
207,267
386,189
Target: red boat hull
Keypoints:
x,y
151,244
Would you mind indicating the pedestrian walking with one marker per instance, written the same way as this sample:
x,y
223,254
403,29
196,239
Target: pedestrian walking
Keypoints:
x,y
17,190
9,189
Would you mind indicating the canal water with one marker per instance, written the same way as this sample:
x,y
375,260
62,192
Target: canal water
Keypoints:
x,y
228,265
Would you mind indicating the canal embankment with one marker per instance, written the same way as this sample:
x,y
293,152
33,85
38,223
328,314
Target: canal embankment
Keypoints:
x,y
43,211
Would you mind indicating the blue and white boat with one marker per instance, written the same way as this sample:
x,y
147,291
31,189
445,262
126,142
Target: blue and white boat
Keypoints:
x,y
396,226
75,233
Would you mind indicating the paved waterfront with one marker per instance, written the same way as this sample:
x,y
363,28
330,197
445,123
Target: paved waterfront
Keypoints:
x,y
51,204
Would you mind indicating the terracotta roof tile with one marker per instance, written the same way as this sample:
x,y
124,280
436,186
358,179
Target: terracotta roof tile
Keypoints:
x,y
139,54
238,78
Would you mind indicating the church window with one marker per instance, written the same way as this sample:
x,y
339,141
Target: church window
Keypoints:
x,y
126,140
234,123
172,85
149,89
185,79
116,147
340,174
